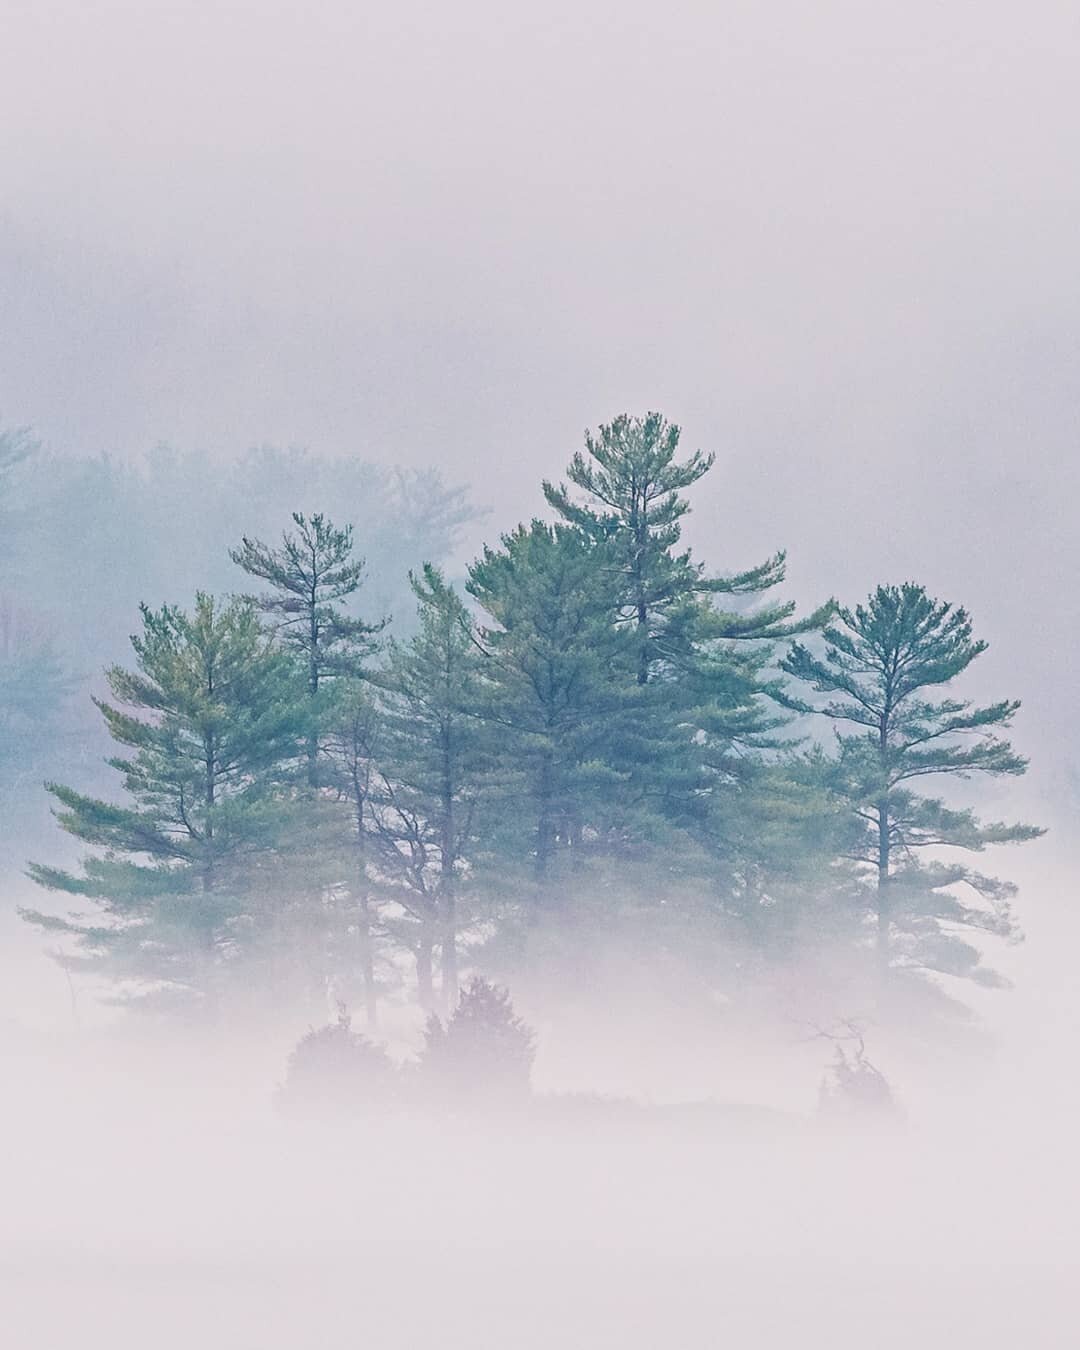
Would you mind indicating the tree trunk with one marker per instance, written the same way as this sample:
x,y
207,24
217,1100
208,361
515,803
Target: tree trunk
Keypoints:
x,y
643,637
209,879
424,945
367,967
449,955
639,525
883,915
545,824
313,681
447,881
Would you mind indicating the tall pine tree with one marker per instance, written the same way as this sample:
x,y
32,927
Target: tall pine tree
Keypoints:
x,y
313,576
882,665
560,693
632,487
183,874
714,708
433,759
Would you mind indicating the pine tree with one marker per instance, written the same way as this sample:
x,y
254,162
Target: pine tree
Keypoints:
x,y
484,1052
882,662
431,769
312,576
560,693
775,840
715,705
182,875
351,739
632,484
333,1070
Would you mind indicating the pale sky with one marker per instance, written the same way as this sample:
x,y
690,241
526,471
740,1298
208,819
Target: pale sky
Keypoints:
x,y
835,241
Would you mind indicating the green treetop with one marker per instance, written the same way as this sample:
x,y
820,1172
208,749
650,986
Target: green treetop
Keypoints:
x,y
560,694
883,662
632,486
209,723
312,576
432,758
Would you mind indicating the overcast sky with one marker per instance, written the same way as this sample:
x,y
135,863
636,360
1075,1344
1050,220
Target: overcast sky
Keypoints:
x,y
836,241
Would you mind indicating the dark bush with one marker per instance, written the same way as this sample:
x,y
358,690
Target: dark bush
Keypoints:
x,y
483,1053
333,1070
853,1086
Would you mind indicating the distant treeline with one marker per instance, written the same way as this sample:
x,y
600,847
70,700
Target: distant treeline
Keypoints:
x,y
84,540
600,741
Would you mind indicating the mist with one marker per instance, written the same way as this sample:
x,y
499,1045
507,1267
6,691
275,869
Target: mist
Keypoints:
x,y
388,263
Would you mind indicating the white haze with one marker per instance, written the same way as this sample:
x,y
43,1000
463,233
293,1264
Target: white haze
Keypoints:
x,y
836,242
153,1199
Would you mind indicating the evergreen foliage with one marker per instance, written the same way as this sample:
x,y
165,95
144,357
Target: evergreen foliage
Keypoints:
x,y
882,664
585,747
160,527
632,483
483,1053
711,698
432,759
558,692
311,576
84,539
333,1070
349,767
183,876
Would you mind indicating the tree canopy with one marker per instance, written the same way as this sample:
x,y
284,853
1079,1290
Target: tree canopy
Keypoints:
x,y
883,663
593,743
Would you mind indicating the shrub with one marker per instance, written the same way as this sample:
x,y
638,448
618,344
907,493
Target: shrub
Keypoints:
x,y
335,1070
484,1052
852,1085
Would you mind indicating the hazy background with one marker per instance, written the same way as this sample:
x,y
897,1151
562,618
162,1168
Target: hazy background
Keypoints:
x,y
835,241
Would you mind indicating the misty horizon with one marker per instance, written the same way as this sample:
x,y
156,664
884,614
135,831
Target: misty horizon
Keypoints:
x,y
537,646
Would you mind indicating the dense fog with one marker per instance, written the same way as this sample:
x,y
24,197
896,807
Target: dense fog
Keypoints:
x,y
537,788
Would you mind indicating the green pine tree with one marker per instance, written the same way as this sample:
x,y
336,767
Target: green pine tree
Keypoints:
x,y
312,576
882,664
632,485
182,874
350,745
432,762
714,711
560,696
778,840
